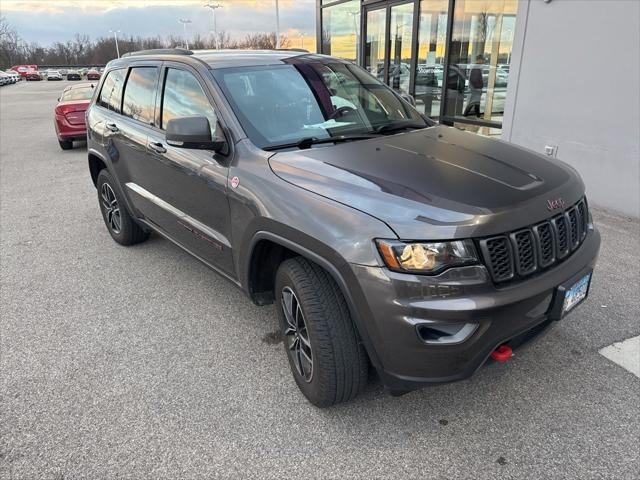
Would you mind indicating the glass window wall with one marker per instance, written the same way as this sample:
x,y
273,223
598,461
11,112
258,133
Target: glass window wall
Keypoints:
x,y
471,91
479,58
432,38
374,48
400,41
341,30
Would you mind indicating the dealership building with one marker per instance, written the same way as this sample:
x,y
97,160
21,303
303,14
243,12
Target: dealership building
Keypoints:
x,y
560,77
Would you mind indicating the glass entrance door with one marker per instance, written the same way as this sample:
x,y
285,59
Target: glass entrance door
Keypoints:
x,y
375,55
388,44
400,42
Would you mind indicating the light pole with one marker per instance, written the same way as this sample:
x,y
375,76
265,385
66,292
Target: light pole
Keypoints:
x,y
215,30
302,35
184,24
115,35
277,26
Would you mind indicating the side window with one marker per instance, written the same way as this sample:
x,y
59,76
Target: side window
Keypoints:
x,y
183,96
111,93
139,94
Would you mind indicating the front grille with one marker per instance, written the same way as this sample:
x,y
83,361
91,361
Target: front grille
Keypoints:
x,y
519,254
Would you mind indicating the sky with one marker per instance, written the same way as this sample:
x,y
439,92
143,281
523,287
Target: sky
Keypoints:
x,y
49,21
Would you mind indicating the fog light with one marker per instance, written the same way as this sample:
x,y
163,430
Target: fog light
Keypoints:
x,y
445,333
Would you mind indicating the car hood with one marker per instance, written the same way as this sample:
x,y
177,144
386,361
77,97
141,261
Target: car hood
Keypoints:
x,y
435,183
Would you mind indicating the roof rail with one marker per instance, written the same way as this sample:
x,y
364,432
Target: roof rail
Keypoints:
x,y
160,51
303,50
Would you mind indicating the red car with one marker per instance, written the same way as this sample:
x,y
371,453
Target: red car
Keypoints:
x,y
33,75
69,114
93,75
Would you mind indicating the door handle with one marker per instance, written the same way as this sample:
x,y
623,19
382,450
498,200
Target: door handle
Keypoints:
x,y
113,127
157,147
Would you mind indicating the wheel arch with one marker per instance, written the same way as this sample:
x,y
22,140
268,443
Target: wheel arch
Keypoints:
x,y
96,163
271,247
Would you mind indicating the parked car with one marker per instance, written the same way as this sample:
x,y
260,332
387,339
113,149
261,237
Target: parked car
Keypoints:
x,y
13,74
5,79
69,114
33,75
385,240
93,75
73,75
54,75
63,72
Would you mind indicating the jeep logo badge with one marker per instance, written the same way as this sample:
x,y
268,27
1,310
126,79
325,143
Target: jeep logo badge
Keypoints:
x,y
555,204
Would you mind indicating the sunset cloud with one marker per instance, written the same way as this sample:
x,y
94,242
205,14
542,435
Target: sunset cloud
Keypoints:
x,y
58,20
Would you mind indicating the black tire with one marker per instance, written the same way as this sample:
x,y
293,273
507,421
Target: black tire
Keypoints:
x,y
339,362
65,144
121,225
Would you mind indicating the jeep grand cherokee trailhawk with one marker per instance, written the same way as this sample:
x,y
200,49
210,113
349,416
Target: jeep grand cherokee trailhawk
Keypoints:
x,y
386,241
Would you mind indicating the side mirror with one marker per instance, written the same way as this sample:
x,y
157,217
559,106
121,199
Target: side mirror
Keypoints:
x,y
193,132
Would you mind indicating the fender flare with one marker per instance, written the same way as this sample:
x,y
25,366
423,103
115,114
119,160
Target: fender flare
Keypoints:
x,y
118,186
335,273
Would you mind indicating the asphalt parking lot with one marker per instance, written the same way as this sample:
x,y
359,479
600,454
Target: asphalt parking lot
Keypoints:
x,y
142,363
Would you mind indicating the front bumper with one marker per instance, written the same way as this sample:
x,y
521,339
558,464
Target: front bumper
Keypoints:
x,y
397,304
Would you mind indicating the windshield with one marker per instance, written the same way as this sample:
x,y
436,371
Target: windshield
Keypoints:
x,y
77,94
282,104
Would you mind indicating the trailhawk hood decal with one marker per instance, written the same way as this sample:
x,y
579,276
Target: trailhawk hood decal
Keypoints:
x,y
434,183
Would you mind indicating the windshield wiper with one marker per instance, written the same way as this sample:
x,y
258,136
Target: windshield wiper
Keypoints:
x,y
394,127
307,142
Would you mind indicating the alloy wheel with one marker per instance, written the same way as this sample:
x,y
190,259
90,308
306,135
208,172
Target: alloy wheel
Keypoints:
x,y
111,208
297,335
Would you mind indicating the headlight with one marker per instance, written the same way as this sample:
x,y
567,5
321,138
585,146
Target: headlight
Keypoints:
x,y
426,257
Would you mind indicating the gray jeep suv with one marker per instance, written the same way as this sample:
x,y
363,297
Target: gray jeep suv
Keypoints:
x,y
386,241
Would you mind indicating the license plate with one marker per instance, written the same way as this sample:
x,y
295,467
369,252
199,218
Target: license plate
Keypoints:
x,y
577,293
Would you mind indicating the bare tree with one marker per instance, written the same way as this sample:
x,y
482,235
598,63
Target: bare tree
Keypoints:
x,y
81,50
263,41
5,28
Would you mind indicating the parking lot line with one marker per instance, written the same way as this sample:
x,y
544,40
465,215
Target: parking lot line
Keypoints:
x,y
626,354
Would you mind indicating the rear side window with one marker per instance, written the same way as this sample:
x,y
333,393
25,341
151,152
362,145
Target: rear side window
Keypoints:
x,y
183,96
111,93
139,94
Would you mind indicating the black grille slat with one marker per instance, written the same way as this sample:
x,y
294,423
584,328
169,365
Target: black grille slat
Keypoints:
x,y
523,252
497,251
574,228
583,218
562,235
545,243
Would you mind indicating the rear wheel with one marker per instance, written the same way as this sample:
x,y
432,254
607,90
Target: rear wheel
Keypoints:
x,y
65,144
326,358
121,225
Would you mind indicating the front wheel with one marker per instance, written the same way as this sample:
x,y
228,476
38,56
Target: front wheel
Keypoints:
x,y
326,358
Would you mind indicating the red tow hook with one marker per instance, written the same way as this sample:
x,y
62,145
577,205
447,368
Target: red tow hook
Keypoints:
x,y
502,353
